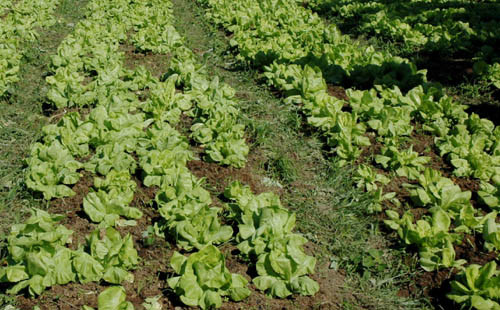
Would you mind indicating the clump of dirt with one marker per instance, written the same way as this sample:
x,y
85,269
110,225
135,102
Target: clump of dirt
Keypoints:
x,y
219,177
467,184
472,250
64,297
367,152
185,124
424,145
157,64
397,185
72,208
436,285
337,92
421,143
143,194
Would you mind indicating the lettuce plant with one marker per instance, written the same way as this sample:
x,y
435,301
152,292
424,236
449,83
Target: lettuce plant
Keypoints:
x,y
112,298
265,235
111,199
203,279
491,234
184,206
436,191
367,179
489,195
38,257
431,235
51,168
406,163
71,132
108,157
115,254
477,287
165,104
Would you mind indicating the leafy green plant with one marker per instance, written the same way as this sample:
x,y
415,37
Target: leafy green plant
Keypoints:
x,y
115,254
378,197
489,195
204,279
436,191
51,168
38,257
112,298
430,235
406,163
184,206
265,235
148,236
477,287
491,234
111,199
282,269
367,179
71,132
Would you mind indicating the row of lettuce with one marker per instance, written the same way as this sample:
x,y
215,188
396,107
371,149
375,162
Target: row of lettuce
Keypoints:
x,y
300,55
129,132
19,25
457,27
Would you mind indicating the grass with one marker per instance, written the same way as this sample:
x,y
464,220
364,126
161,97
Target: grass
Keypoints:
x,y
330,209
21,120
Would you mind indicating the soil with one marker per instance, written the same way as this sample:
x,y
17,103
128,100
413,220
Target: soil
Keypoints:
x,y
337,92
368,152
219,177
157,64
396,185
72,208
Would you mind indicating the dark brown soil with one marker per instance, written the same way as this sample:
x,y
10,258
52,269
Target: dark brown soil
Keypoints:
x,y
370,151
396,185
467,184
472,250
72,208
157,64
424,145
219,177
337,92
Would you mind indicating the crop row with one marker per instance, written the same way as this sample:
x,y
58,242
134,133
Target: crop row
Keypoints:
x,y
19,22
456,27
300,55
128,131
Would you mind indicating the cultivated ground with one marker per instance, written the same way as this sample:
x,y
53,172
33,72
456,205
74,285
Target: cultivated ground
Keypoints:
x,y
361,263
